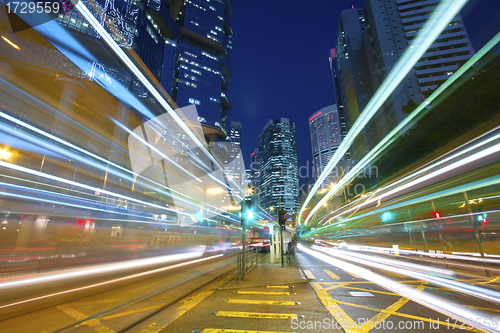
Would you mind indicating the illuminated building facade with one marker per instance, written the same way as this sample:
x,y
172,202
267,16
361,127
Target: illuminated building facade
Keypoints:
x,y
354,77
235,165
370,41
255,168
278,168
203,68
332,59
187,46
325,129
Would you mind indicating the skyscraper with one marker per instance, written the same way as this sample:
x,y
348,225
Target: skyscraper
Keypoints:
x,y
279,178
354,76
338,96
203,67
370,41
325,130
336,91
235,165
186,44
394,25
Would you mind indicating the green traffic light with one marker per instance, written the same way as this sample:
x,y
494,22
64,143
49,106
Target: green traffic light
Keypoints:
x,y
386,217
250,215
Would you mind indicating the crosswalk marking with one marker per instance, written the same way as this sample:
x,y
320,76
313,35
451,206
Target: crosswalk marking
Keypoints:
x,y
255,301
332,274
278,287
71,312
309,275
263,292
97,321
216,330
334,309
258,315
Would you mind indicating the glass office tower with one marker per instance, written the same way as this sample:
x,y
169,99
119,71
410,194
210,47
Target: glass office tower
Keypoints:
x,y
203,69
325,129
279,177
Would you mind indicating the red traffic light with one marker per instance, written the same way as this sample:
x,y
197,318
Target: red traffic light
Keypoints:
x,y
281,218
437,215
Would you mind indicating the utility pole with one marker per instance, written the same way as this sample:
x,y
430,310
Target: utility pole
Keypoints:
x,y
243,243
281,236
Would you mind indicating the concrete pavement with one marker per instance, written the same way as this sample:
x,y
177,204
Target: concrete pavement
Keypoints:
x,y
271,299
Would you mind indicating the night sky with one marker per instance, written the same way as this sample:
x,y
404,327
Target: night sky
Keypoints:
x,y
280,60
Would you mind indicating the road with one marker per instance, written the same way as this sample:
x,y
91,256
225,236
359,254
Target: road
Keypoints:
x,y
367,302
122,298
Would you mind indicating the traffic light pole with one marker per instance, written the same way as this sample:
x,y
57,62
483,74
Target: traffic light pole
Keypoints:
x,y
281,236
243,247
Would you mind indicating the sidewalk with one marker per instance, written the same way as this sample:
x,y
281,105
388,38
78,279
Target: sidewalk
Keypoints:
x,y
269,274
272,299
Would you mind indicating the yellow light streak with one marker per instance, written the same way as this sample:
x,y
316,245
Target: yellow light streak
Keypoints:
x,y
10,43
217,190
5,154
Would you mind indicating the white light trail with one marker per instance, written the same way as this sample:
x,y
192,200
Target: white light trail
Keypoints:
x,y
174,193
455,190
95,189
125,174
439,172
475,291
111,281
85,272
436,303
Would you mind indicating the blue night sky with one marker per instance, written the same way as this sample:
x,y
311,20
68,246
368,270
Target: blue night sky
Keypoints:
x,y
280,60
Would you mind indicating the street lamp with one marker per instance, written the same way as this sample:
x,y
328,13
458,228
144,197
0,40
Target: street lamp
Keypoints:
x,y
4,154
249,191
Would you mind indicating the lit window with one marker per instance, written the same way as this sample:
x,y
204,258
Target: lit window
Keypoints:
x,y
194,101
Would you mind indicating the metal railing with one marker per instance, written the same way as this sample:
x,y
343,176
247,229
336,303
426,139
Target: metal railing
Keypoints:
x,y
250,261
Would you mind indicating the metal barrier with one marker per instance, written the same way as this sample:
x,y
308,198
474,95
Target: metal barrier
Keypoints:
x,y
251,260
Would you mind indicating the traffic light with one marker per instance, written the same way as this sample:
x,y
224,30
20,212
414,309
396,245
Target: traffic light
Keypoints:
x,y
247,214
281,217
386,217
482,221
437,215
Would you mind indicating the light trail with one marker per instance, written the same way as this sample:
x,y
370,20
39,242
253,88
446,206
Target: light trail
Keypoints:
x,y
391,137
469,256
439,20
110,281
383,264
458,189
177,195
64,142
482,321
434,174
101,269
95,189
112,209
